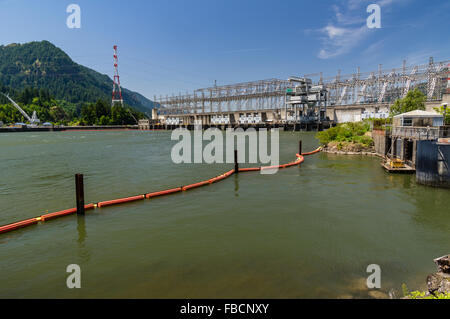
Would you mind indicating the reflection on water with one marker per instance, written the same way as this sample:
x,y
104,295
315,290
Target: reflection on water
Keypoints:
x,y
307,231
82,234
236,185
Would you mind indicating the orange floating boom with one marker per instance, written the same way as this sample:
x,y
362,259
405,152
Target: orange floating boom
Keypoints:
x,y
120,201
317,150
165,192
64,212
17,225
229,173
33,221
218,178
59,214
250,169
195,185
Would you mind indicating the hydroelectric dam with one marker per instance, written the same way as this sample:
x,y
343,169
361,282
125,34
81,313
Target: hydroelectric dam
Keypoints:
x,y
309,102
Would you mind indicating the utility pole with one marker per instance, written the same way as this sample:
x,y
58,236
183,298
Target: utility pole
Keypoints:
x,y
79,188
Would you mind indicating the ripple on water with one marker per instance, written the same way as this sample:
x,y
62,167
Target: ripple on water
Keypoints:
x,y
309,231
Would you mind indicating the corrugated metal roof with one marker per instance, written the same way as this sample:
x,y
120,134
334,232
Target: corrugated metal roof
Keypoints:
x,y
419,113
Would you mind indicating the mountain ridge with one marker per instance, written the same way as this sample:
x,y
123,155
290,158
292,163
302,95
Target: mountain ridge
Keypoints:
x,y
41,64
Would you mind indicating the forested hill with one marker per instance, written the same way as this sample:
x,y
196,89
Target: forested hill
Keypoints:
x,y
43,65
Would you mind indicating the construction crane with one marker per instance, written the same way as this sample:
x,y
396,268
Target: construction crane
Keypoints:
x,y
131,113
34,121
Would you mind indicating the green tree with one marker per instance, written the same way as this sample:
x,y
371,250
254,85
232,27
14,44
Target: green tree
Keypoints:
x,y
447,113
104,120
63,112
58,114
414,100
88,114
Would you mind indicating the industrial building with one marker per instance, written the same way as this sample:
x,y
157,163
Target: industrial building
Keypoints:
x,y
310,102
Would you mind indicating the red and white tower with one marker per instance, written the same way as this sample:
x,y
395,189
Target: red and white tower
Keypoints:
x,y
117,91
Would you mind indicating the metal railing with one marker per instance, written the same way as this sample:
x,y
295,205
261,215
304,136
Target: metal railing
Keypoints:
x,y
417,133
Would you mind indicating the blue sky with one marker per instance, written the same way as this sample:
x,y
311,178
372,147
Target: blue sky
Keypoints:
x,y
173,46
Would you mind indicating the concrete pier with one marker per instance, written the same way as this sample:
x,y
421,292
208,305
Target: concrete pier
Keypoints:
x,y
433,163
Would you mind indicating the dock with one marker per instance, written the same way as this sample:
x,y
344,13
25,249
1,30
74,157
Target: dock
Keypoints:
x,y
398,170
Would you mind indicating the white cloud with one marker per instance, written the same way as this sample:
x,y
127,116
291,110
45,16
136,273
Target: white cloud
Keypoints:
x,y
420,57
348,18
339,41
347,28
354,4
333,31
383,3
375,47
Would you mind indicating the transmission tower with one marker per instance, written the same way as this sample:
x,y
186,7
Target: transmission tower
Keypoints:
x,y
117,91
448,78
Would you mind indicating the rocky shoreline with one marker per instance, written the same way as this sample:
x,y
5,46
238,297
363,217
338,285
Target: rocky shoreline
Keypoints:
x,y
369,153
349,148
439,282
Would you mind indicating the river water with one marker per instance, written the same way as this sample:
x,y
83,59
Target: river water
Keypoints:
x,y
305,232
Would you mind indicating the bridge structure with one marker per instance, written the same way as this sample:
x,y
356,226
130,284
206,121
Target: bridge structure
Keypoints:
x,y
346,97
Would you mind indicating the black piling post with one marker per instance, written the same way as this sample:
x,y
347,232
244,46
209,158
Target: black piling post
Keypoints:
x,y
79,186
300,147
236,165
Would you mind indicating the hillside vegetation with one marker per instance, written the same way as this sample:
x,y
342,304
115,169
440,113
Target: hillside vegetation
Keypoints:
x,y
48,109
41,65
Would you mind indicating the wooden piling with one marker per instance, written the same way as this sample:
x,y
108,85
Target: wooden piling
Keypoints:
x,y
79,186
300,147
236,165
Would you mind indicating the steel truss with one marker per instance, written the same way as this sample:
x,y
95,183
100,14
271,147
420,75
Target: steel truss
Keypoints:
x,y
382,86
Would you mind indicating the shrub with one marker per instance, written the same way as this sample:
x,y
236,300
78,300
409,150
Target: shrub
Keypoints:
x,y
423,294
347,132
364,140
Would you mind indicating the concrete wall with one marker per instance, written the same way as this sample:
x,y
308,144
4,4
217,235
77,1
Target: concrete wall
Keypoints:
x,y
352,113
380,141
348,115
154,114
272,116
414,155
340,114
429,106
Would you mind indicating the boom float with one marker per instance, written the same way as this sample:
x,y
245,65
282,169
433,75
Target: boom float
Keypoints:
x,y
43,218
